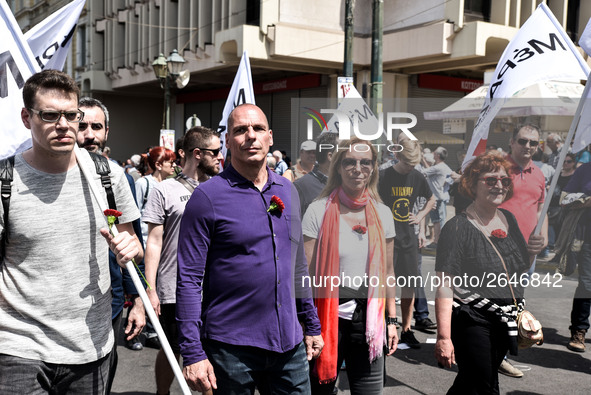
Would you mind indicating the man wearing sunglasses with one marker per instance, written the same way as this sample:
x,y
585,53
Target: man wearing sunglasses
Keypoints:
x,y
163,213
55,287
529,191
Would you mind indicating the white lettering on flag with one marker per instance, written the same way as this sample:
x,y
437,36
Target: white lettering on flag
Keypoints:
x,y
540,51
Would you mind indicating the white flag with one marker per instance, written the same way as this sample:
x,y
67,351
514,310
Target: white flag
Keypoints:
x,y
540,51
50,39
16,66
353,118
241,92
583,134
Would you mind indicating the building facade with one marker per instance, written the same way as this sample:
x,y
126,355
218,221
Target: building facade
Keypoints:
x,y
431,49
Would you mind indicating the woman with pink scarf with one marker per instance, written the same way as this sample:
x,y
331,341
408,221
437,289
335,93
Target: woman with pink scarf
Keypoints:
x,y
349,242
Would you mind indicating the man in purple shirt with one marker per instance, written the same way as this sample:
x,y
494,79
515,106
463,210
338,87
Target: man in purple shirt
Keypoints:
x,y
248,259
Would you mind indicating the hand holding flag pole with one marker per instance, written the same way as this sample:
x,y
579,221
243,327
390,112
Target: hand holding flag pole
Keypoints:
x,y
138,284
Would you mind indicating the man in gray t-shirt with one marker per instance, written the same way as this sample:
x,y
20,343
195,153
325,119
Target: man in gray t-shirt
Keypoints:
x,y
55,294
439,179
163,213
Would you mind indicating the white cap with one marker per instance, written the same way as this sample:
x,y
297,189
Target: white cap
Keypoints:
x,y
308,145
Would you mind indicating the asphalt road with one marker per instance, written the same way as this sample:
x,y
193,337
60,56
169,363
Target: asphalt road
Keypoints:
x,y
549,369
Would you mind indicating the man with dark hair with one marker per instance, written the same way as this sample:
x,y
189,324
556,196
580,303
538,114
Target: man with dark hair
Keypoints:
x,y
310,185
163,213
92,135
244,318
93,130
55,312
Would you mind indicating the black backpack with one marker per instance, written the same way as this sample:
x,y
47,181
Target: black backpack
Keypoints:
x,y
101,165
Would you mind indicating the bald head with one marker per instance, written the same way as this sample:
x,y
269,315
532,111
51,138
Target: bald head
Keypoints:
x,y
241,109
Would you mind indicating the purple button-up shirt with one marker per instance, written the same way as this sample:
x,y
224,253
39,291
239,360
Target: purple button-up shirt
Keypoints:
x,y
249,264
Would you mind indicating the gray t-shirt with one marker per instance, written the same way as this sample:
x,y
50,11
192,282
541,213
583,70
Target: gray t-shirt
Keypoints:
x,y
436,177
55,287
165,206
143,189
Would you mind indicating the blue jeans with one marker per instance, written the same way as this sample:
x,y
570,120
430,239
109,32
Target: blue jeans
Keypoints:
x,y
439,213
421,306
27,376
579,316
239,369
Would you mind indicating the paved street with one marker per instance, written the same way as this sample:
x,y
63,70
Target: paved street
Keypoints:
x,y
550,369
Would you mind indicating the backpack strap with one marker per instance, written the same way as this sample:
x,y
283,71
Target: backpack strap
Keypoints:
x,y
6,176
146,194
103,170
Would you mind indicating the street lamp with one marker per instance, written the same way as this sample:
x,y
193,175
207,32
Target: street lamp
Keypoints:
x,y
167,69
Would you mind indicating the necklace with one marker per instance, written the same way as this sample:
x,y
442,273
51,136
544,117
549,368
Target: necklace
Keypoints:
x,y
480,219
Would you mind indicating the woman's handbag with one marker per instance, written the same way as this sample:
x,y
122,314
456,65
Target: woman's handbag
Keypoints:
x,y
529,330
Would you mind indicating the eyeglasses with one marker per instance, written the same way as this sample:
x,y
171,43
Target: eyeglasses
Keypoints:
x,y
569,161
350,163
214,152
492,181
532,143
54,116
94,126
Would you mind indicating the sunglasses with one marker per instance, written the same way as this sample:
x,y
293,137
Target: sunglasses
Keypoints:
x,y
532,143
214,152
54,116
492,181
94,126
350,163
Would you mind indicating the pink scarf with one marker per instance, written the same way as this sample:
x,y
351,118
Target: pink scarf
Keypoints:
x,y
327,264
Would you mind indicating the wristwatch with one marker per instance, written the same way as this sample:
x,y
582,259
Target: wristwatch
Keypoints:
x,y
392,321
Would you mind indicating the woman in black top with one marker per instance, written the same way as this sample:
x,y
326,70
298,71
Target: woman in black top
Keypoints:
x,y
477,327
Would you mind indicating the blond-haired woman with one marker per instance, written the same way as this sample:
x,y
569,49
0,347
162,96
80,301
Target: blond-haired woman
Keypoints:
x,y
349,234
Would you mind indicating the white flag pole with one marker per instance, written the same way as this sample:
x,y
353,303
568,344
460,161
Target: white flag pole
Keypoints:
x,y
561,157
138,285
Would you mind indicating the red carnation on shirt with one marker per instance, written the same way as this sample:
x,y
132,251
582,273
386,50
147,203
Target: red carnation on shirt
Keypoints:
x,y
498,233
276,204
360,229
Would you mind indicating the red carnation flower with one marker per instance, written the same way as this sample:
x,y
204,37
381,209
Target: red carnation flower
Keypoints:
x,y
110,212
276,204
498,233
360,229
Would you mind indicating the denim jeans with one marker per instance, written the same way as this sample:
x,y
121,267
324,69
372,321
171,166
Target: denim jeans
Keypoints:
x,y
421,306
239,369
27,376
579,316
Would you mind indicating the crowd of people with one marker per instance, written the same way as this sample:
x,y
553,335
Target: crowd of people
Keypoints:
x,y
226,276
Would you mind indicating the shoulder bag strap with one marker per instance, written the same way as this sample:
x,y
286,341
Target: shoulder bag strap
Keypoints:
x,y
185,183
502,260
